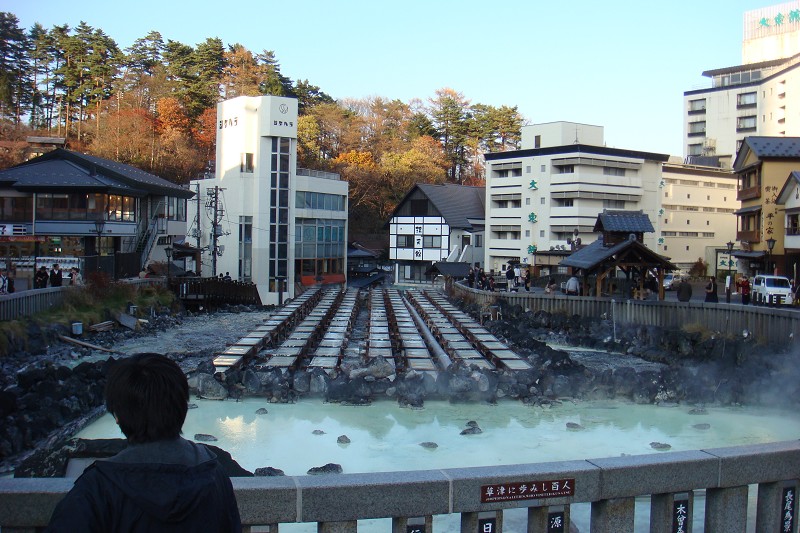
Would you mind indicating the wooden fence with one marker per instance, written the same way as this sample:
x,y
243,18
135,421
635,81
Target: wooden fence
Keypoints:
x,y
773,324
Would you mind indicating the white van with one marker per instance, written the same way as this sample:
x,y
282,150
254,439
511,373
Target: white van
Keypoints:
x,y
771,289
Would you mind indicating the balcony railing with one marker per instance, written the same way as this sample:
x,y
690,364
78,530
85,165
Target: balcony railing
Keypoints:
x,y
337,502
748,193
748,236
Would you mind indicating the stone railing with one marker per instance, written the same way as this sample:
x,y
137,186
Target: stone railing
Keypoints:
x,y
774,324
479,495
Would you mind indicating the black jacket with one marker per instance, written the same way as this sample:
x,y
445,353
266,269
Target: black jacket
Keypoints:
x,y
161,486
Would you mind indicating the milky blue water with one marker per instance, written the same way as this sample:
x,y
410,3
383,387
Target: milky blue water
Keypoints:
x,y
386,437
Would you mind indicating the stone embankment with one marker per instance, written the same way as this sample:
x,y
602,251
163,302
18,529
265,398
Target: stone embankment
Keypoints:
x,y
645,365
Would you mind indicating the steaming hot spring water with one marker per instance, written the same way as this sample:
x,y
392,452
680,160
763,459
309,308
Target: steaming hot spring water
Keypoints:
x,y
385,437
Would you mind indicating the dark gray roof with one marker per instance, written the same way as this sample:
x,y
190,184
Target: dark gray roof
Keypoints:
x,y
768,148
595,253
452,269
61,170
786,190
456,203
623,222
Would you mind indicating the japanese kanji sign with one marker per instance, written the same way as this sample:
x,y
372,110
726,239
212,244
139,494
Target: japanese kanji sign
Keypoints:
x,y
788,509
527,490
680,516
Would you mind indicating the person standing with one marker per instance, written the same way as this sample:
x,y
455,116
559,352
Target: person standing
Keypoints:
x,y
573,285
76,278
56,276
684,291
711,290
4,281
744,290
41,278
471,278
509,278
161,481
528,280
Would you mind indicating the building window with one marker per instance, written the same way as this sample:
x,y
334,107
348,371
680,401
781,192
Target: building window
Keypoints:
x,y
697,106
478,241
745,100
566,169
246,165
527,233
695,149
697,129
431,241
527,169
405,241
613,171
527,201
509,172
564,202
541,233
537,141
245,248
746,123
541,200
544,168
613,204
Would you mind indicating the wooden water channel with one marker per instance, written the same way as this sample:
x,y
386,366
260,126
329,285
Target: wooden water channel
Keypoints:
x,y
415,330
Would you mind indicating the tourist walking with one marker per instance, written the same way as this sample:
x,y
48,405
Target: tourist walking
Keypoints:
x,y
41,278
509,278
711,290
56,276
684,291
744,290
76,278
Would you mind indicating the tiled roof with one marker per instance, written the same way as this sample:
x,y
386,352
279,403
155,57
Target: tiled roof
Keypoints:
x,y
624,221
456,203
596,253
766,147
64,169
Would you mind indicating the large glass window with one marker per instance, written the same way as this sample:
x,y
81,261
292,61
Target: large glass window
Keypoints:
x,y
697,128
746,99
245,248
746,123
16,209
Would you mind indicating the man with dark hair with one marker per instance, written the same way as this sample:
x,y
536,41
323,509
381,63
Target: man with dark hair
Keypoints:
x,y
161,481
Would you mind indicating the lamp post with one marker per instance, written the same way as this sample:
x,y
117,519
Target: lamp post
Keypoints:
x,y
729,244
99,226
770,246
168,251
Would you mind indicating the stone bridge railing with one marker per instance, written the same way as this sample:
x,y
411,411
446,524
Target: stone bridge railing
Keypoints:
x,y
729,477
773,324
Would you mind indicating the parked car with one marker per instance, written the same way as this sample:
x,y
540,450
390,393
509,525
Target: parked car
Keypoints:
x,y
775,289
671,281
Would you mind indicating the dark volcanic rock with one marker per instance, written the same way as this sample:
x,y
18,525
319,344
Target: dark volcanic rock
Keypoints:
x,y
429,445
269,472
330,468
343,439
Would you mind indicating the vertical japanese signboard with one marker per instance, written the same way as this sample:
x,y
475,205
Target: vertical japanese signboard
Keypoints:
x,y
556,522
788,507
680,515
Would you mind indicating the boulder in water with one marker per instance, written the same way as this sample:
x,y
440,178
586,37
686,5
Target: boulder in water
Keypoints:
x,y
429,445
268,471
261,411
343,439
702,426
330,468
574,425
660,446
472,431
317,432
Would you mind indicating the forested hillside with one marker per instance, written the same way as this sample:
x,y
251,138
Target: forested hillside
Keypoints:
x,y
153,105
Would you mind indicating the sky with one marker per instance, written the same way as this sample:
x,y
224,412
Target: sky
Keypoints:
x,y
619,64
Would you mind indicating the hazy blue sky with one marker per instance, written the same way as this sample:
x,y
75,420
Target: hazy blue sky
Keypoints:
x,y
623,65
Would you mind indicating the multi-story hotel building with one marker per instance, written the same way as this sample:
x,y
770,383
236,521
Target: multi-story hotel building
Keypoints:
x,y
545,197
264,220
759,97
697,214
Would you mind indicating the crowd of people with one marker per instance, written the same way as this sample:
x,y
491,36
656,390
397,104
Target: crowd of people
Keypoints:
x,y
515,279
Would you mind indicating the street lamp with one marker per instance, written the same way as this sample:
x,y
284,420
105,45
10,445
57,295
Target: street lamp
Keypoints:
x,y
729,244
168,251
99,226
770,246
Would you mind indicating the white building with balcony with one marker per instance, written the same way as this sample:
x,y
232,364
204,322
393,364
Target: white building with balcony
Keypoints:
x,y
545,197
264,220
758,97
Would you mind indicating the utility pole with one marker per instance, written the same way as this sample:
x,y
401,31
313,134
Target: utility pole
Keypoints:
x,y
198,231
216,217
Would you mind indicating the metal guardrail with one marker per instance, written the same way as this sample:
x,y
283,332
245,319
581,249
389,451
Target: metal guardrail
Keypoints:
x,y
773,324
27,303
672,480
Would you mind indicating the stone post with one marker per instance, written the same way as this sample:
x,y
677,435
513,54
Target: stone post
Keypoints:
x,y
613,516
726,510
